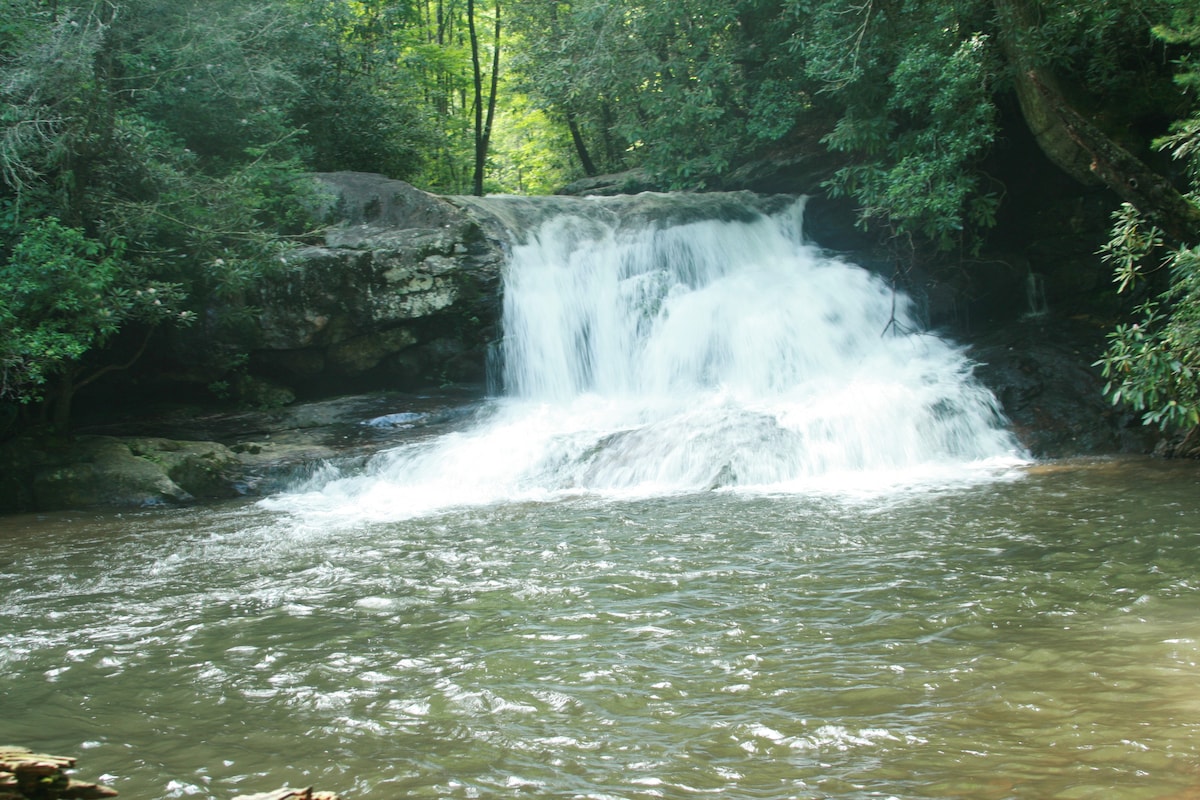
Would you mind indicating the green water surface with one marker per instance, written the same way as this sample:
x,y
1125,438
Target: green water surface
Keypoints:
x,y
1033,637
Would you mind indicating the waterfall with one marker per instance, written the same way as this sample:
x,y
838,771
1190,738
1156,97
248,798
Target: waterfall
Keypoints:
x,y
656,345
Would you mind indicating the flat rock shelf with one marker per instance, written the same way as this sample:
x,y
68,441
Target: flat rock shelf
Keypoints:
x,y
26,775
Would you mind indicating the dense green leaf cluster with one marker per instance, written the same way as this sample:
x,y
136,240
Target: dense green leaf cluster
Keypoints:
x,y
1153,364
65,294
908,92
131,157
160,147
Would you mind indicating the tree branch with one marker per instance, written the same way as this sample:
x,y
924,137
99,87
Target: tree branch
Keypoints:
x,y
1125,174
117,367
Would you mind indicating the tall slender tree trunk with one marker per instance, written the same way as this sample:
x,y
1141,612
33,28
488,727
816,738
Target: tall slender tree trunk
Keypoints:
x,y
585,158
483,126
477,80
495,87
612,150
60,403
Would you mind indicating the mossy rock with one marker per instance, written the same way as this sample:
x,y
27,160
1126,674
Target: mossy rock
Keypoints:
x,y
90,471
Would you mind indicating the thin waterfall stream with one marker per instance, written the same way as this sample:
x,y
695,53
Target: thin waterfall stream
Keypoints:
x,y
731,526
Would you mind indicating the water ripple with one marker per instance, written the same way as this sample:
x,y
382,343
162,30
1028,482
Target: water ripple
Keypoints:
x,y
978,644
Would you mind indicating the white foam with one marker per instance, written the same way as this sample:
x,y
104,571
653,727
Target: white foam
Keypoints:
x,y
710,355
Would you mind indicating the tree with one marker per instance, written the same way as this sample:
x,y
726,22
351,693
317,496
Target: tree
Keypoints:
x,y
364,101
145,168
1153,364
483,121
909,94
67,294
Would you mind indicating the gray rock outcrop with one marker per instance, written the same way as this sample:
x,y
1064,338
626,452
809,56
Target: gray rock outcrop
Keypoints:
x,y
402,293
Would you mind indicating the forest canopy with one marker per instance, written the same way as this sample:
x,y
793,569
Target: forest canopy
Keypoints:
x,y
156,148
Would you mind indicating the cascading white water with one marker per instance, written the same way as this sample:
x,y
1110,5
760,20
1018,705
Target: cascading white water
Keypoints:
x,y
654,357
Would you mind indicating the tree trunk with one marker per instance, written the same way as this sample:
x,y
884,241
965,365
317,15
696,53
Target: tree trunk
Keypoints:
x,y
1124,173
1017,18
585,158
477,80
60,414
494,90
1077,146
71,383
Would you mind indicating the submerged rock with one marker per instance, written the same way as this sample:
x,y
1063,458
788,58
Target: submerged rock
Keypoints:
x,y
287,793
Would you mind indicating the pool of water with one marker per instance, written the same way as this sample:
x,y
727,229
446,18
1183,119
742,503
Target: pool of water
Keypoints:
x,y
1035,636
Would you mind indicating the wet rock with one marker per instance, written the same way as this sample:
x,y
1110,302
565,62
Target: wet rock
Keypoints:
x,y
286,793
400,270
629,182
213,455
1041,371
26,775
104,471
255,392
88,471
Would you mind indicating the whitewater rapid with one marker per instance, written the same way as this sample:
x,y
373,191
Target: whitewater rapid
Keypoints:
x,y
644,357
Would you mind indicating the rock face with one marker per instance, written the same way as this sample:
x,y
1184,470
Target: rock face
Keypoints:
x,y
403,293
1040,369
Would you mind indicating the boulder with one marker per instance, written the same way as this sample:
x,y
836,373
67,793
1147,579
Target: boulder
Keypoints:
x,y
399,271
88,471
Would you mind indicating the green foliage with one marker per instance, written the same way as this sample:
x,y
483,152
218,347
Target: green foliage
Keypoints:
x,y
66,294
1133,241
1153,365
530,152
361,98
690,90
151,156
914,160
1103,45
676,88
906,92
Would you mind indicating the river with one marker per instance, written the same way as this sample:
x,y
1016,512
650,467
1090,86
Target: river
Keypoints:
x,y
733,527
1031,637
